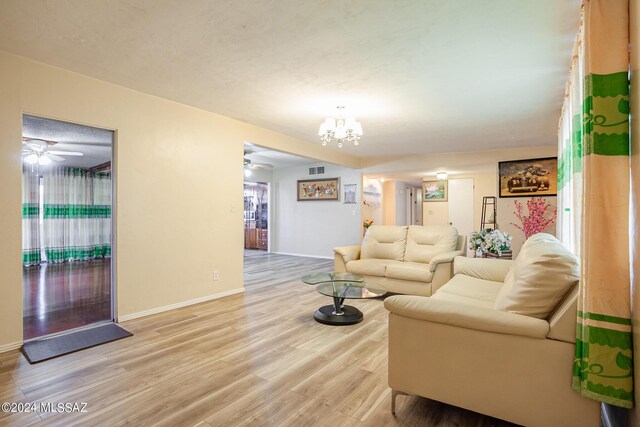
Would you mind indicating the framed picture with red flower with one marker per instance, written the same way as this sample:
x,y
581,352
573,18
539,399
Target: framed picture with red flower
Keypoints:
x,y
319,189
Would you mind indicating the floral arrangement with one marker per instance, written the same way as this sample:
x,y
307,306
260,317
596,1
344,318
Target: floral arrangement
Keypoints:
x,y
477,239
537,220
497,242
366,224
488,240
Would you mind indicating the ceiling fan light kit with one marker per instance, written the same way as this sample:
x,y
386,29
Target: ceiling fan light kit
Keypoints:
x,y
248,164
340,129
37,151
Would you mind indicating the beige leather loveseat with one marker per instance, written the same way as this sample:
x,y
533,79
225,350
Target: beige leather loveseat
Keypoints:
x,y
498,338
414,260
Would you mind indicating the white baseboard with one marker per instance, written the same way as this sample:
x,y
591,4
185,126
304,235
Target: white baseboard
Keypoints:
x,y
11,346
178,305
304,255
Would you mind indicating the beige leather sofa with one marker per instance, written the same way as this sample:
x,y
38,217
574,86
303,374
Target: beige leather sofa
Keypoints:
x,y
498,338
413,260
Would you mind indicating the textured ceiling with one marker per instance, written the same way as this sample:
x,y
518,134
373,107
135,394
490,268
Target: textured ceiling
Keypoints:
x,y
421,76
93,143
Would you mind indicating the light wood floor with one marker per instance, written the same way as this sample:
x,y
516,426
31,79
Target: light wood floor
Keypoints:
x,y
256,358
266,269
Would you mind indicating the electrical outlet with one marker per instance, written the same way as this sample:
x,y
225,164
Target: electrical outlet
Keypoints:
x,y
216,275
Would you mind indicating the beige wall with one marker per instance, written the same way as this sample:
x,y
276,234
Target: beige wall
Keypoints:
x,y
389,203
435,213
635,195
179,186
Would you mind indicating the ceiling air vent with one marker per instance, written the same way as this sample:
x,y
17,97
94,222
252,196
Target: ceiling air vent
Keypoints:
x,y
319,170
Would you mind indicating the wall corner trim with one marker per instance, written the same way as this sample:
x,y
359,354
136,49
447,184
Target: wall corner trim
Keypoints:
x,y
187,303
10,346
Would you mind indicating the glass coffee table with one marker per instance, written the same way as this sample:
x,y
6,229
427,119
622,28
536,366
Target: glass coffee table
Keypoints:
x,y
341,286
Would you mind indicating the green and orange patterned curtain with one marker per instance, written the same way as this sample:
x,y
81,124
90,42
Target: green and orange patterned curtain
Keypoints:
x,y
593,204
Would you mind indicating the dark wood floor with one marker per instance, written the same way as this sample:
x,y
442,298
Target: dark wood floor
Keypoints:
x,y
251,359
58,297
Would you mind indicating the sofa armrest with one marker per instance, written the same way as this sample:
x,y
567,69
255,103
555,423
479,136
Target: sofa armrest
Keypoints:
x,y
466,316
442,258
348,253
482,268
342,255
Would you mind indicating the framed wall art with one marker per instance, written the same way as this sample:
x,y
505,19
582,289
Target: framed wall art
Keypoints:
x,y
435,191
372,194
531,177
350,193
318,189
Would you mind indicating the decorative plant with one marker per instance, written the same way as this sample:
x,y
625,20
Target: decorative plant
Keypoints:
x,y
497,241
477,239
537,220
366,224
489,240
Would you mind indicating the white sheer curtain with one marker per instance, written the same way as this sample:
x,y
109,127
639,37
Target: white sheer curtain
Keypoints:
x,y
77,212
30,216
102,213
570,156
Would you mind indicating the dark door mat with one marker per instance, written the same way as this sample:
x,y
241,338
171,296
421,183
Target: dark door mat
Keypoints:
x,y
48,348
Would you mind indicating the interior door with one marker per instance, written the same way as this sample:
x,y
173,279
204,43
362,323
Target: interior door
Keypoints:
x,y
417,206
461,205
411,211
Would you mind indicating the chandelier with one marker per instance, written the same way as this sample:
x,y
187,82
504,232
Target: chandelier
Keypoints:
x,y
340,129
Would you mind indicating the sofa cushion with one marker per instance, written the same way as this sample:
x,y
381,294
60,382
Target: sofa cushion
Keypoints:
x,y
368,267
426,241
413,271
470,290
541,276
384,242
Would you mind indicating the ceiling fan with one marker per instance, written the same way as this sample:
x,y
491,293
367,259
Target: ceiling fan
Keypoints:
x,y
248,164
37,151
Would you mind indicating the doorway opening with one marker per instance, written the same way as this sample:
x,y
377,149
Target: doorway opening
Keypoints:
x,y
67,226
256,217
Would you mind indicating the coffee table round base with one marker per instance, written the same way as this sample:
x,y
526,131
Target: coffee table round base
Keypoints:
x,y
350,315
